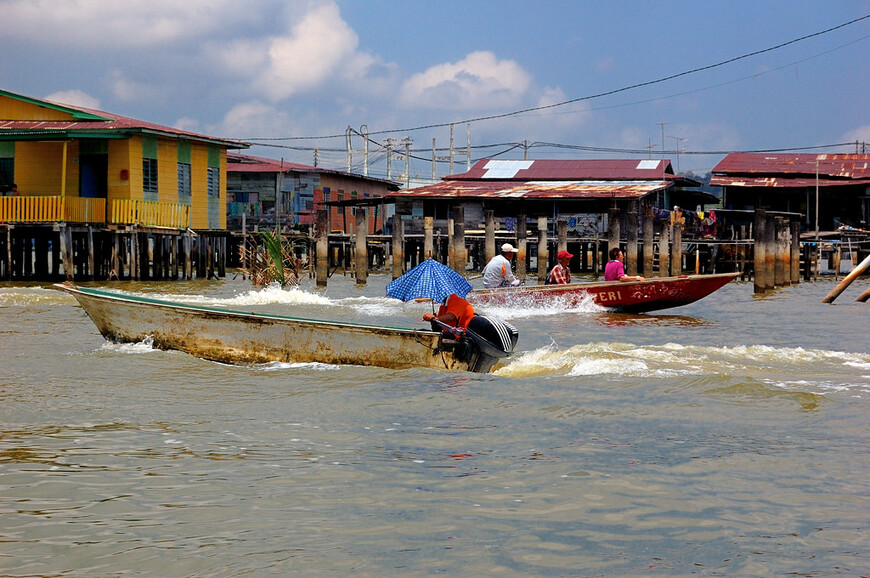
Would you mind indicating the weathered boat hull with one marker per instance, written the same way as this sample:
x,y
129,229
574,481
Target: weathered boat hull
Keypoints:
x,y
241,337
630,296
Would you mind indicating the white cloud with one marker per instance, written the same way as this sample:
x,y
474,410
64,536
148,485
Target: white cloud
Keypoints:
x,y
128,90
860,134
480,81
74,97
252,120
311,54
132,23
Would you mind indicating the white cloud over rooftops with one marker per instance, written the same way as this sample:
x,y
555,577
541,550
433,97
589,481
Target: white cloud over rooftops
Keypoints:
x,y
478,81
74,97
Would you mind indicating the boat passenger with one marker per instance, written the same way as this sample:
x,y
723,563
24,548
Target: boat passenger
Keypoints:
x,y
497,272
454,311
615,270
560,274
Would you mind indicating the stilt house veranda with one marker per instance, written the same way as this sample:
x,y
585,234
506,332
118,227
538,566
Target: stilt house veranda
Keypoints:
x,y
87,176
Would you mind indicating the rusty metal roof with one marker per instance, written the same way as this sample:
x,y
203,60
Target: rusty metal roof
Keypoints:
x,y
780,181
83,122
567,170
535,189
239,163
791,170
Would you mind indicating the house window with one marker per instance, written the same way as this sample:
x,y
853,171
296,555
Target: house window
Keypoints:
x,y
214,182
184,183
149,176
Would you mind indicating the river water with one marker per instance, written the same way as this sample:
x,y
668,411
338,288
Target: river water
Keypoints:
x,y
728,437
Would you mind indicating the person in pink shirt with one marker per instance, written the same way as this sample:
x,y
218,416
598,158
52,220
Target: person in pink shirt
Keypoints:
x,y
615,270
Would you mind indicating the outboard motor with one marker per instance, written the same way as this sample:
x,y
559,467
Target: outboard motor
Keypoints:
x,y
490,340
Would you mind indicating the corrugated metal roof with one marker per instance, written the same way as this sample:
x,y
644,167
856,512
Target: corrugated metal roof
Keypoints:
x,y
567,170
535,189
780,181
788,170
239,163
83,120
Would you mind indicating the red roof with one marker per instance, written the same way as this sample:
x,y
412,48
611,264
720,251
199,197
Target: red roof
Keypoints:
x,y
552,179
238,163
568,170
791,170
84,120
535,189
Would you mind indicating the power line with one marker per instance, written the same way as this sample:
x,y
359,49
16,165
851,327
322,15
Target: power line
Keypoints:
x,y
592,96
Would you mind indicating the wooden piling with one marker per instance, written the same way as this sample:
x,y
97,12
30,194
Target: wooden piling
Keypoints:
x,y
522,246
561,235
770,252
66,250
543,252
321,256
361,252
489,235
780,278
631,239
460,252
398,246
648,245
188,256
676,267
795,252
428,238
613,232
664,249
759,265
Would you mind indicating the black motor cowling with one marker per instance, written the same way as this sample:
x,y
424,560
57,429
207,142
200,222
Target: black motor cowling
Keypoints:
x,y
492,339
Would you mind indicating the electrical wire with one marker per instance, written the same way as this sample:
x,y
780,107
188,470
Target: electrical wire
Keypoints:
x,y
588,97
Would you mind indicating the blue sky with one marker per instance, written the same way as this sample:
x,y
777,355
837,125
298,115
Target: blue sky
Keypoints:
x,y
270,69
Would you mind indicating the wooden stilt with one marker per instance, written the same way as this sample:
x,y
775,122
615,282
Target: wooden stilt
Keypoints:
x,y
543,251
361,253
522,247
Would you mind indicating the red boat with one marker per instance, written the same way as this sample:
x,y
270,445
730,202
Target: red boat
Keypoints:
x,y
629,296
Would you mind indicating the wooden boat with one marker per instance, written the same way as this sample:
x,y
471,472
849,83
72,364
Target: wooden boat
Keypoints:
x,y
244,337
629,296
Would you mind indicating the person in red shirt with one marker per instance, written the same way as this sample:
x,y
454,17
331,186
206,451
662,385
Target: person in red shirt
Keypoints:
x,y
454,311
560,274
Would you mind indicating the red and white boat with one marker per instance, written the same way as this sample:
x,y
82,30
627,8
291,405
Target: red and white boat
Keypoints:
x,y
629,296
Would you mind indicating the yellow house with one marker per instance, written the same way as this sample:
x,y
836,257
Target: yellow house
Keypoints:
x,y
74,164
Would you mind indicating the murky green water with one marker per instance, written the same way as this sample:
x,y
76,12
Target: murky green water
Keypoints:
x,y
728,437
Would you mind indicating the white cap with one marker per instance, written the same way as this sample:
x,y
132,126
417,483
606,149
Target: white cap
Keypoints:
x,y
508,248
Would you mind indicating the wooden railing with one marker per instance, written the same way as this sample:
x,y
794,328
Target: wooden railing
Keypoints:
x,y
58,209
52,209
150,214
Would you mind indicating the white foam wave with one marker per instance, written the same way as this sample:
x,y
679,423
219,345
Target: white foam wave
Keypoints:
x,y
272,294
144,346
672,360
523,307
281,366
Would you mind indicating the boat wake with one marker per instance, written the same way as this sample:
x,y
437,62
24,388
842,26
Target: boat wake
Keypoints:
x,y
271,295
144,346
820,371
519,307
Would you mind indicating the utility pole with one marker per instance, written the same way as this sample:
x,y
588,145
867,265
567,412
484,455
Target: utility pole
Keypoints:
x,y
677,141
364,133
663,124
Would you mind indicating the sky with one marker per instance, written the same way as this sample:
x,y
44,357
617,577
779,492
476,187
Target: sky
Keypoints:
x,y
559,79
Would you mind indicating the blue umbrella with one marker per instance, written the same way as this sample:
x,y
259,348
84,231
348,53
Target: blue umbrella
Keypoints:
x,y
429,279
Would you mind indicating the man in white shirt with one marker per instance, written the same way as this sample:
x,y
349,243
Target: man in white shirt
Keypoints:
x,y
497,272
